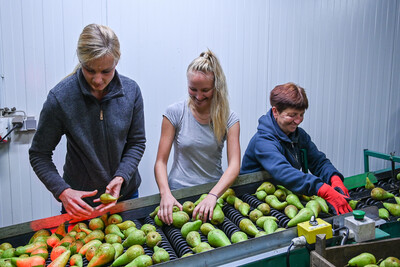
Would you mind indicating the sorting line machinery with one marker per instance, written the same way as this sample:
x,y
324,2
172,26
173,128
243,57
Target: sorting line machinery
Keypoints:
x,y
139,209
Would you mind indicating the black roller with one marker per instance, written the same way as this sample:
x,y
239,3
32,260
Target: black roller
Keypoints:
x,y
203,237
252,200
228,227
177,241
232,214
282,218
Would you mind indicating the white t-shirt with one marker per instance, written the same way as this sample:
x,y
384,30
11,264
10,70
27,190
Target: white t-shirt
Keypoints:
x,y
197,155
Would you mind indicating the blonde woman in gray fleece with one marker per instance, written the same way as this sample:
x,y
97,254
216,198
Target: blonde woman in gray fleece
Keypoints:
x,y
198,128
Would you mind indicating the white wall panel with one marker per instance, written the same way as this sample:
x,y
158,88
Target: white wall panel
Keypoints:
x,y
344,53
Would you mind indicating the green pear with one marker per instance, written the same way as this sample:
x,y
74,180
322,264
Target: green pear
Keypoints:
x,y
353,203
190,226
247,226
270,226
304,198
228,192
107,198
203,246
193,238
188,207
137,237
238,236
287,191
154,212
9,253
291,211
390,262
147,228
41,232
369,184
142,260
264,208
274,202
88,245
322,203
112,238
255,214
397,199
394,209
314,206
231,199
129,255
29,248
179,218
280,229
268,187
187,255
96,224
260,221
113,229
380,194
237,203
119,249
398,176
129,230
303,216
114,219
153,238
280,194
61,260
383,213
76,260
157,221
126,224
31,261
160,255
80,236
260,195
5,245
217,238
244,209
96,234
294,200
205,228
218,215
7,263
362,260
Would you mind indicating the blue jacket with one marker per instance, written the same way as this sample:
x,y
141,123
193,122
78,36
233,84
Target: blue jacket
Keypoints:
x,y
104,138
272,150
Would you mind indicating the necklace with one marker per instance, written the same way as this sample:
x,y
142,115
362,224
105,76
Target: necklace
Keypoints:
x,y
200,117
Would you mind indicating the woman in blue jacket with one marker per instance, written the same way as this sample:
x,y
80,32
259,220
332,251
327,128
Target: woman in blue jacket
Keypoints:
x,y
277,146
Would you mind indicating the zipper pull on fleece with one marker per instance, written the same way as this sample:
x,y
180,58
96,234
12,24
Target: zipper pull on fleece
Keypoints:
x,y
101,114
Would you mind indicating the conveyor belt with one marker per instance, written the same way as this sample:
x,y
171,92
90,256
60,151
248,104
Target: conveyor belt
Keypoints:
x,y
172,240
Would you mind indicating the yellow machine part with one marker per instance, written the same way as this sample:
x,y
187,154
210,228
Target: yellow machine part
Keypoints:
x,y
310,231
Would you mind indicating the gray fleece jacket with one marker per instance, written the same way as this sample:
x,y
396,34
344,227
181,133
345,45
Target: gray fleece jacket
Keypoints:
x,y
104,138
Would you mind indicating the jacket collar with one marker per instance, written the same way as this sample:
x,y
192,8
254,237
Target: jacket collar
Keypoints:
x,y
268,123
114,88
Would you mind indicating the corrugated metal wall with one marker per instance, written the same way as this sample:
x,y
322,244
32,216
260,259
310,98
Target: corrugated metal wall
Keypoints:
x,y
344,53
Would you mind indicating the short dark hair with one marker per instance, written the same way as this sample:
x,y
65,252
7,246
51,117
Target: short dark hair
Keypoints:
x,y
288,95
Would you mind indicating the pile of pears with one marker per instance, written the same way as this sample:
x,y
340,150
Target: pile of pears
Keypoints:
x,y
368,259
106,240
381,194
282,199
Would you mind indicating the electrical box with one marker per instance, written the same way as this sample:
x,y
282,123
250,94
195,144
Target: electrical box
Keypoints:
x,y
362,226
311,229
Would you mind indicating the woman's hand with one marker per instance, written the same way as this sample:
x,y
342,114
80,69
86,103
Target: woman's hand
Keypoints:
x,y
73,203
113,188
165,212
205,208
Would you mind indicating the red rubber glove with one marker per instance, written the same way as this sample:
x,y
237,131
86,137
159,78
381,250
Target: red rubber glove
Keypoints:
x,y
338,185
334,198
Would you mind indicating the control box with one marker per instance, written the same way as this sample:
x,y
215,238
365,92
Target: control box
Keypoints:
x,y
311,229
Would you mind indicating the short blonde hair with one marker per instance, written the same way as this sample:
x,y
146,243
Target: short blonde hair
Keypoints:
x,y
96,41
208,62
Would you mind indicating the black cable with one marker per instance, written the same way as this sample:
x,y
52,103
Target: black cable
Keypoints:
x,y
344,239
12,129
288,254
